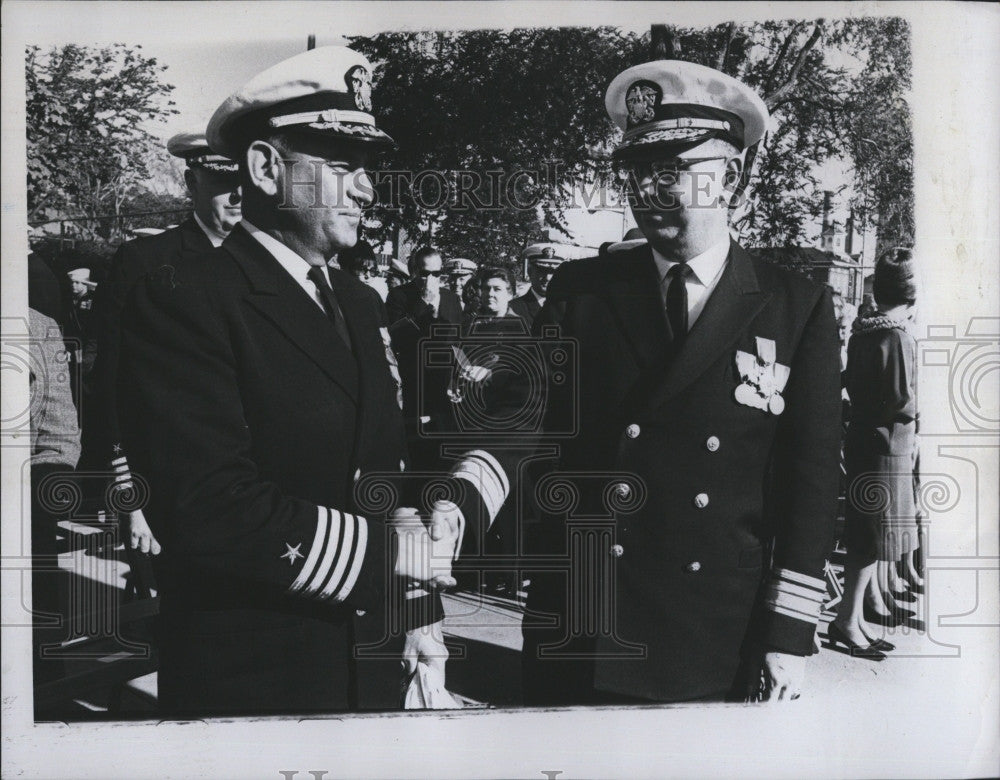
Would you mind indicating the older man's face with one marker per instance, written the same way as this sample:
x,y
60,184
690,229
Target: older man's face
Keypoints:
x,y
674,195
428,273
540,276
457,281
216,197
328,209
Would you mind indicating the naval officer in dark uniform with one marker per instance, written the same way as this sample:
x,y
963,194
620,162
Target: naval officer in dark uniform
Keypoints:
x,y
705,421
258,393
543,260
213,185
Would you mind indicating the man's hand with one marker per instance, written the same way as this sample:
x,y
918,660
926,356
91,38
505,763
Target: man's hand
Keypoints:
x,y
432,297
425,645
424,557
781,677
446,524
140,536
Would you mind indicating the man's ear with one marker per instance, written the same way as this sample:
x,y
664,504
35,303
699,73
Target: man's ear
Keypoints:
x,y
264,167
731,178
190,181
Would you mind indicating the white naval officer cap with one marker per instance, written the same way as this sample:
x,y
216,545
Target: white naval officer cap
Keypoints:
x,y
460,265
549,254
669,102
194,149
81,275
325,92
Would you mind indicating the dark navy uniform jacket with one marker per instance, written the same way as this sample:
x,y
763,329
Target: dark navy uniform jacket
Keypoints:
x,y
526,307
255,428
131,262
699,526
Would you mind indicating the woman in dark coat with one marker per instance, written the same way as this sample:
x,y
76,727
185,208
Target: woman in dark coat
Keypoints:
x,y
880,450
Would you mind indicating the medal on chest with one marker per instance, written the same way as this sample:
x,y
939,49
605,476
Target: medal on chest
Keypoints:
x,y
763,379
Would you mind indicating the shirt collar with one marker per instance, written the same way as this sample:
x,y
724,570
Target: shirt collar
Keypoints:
x,y
539,298
215,236
291,261
705,266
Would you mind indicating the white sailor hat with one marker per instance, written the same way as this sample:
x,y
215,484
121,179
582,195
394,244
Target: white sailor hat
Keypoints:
x,y
81,275
325,91
460,265
667,102
193,147
547,254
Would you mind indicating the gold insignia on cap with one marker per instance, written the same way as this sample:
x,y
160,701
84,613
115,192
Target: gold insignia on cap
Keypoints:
x,y
359,85
548,252
641,100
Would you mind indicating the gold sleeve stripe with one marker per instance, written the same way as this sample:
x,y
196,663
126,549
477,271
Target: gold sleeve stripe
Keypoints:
x,y
315,550
330,548
795,594
361,544
485,473
342,559
816,583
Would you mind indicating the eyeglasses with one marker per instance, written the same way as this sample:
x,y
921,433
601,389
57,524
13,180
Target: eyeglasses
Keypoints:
x,y
664,173
425,273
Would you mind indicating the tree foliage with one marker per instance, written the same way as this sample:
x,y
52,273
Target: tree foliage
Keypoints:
x,y
520,102
88,144
515,100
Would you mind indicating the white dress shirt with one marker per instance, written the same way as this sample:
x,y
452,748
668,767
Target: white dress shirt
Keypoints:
x,y
213,235
707,270
296,266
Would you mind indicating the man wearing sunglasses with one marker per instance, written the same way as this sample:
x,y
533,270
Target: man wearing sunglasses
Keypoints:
x,y
414,309
706,410
424,299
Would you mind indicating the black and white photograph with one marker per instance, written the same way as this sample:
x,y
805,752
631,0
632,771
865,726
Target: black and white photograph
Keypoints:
x,y
511,389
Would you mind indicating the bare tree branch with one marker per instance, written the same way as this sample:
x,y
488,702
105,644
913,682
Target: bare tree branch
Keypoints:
x,y
789,84
780,59
720,60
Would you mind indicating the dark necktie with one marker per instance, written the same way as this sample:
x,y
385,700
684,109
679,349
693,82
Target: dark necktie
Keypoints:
x,y
330,305
677,303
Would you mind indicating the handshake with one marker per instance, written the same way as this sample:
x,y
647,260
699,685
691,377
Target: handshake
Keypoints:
x,y
426,547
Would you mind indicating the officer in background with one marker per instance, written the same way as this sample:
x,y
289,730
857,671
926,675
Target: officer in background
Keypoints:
x,y
258,390
543,260
706,418
213,185
460,271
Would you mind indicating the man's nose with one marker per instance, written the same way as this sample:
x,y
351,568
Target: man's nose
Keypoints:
x,y
361,189
236,196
